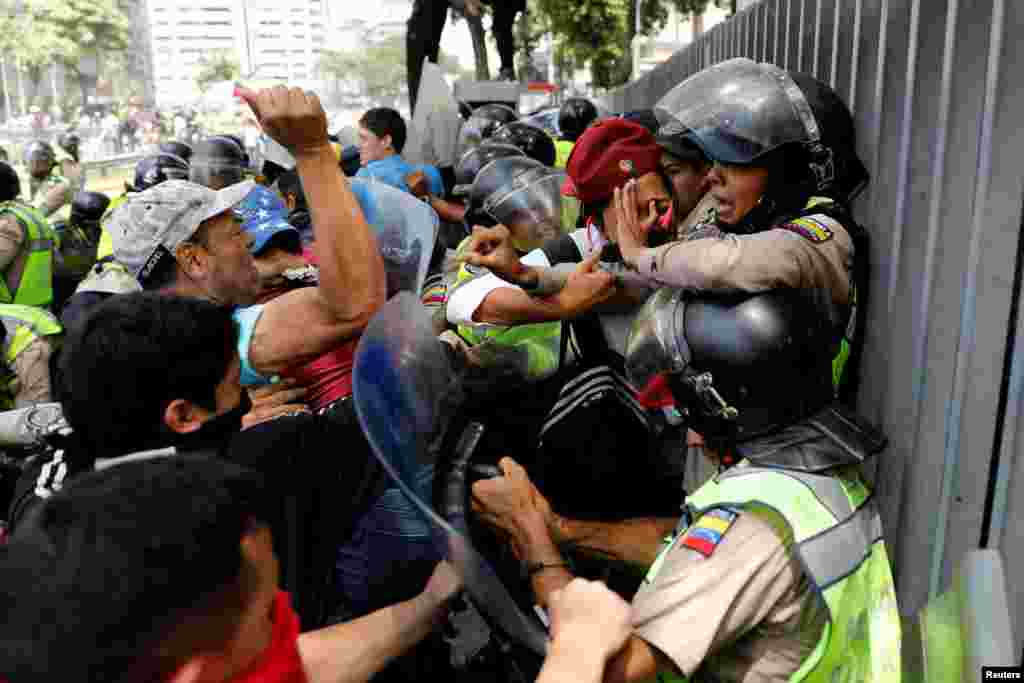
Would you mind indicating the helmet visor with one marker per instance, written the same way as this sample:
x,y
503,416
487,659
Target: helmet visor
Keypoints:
x,y
656,344
530,207
738,110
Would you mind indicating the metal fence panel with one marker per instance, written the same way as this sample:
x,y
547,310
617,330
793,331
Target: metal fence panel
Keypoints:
x,y
932,87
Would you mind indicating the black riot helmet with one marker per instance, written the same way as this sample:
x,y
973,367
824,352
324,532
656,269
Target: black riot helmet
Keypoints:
x,y
70,142
179,149
741,113
475,159
10,183
576,114
523,195
39,150
158,168
482,124
89,207
218,161
741,366
534,142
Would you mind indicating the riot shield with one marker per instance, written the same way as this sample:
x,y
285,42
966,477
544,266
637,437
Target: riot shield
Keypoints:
x,y
406,231
401,379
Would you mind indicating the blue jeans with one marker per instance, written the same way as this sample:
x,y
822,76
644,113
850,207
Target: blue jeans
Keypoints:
x,y
389,556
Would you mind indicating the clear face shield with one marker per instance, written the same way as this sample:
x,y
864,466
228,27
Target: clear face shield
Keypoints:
x,y
217,172
475,159
657,346
738,111
474,133
530,207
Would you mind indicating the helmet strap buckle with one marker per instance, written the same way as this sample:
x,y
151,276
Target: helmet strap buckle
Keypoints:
x,y
823,164
703,387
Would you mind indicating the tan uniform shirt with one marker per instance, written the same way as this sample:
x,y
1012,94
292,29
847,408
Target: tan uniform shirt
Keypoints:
x,y
32,368
13,255
51,194
773,259
745,613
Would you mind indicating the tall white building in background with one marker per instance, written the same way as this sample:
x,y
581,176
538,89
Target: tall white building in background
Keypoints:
x,y
272,39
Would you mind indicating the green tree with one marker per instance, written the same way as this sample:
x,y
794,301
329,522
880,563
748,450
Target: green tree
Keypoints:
x,y
599,33
219,65
377,69
83,30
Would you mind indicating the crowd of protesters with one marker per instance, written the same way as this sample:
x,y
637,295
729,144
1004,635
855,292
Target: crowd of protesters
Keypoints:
x,y
188,494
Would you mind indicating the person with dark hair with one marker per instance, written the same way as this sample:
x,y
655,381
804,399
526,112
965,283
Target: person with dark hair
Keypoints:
x,y
688,170
164,569
574,117
27,247
382,136
289,186
119,399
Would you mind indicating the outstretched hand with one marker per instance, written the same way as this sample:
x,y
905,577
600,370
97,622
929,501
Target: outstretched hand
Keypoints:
x,y
291,116
586,287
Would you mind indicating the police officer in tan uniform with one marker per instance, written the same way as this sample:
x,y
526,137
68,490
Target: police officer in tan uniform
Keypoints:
x,y
49,190
784,172
777,570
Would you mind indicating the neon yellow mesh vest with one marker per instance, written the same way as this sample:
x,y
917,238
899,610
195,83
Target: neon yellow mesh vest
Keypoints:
x,y
837,537
36,285
540,342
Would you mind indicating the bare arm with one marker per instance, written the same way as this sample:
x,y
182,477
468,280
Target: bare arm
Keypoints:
x,y
633,541
513,306
304,324
356,650
11,237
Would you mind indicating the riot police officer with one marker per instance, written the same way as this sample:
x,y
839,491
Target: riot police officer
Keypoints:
x,y
218,161
48,190
534,142
68,157
777,569
79,239
575,115
27,247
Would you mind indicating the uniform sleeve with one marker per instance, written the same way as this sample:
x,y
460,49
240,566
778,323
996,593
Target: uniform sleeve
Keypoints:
x,y
697,604
756,263
466,298
246,319
32,368
11,237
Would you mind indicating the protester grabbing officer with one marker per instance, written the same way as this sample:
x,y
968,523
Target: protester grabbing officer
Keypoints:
x,y
49,191
28,246
777,569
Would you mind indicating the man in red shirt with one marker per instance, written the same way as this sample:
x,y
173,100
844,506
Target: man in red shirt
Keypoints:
x,y
162,569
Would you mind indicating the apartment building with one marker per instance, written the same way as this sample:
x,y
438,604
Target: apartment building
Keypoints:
x,y
271,39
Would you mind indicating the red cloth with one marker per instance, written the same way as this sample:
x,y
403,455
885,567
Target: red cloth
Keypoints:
x,y
609,153
656,394
329,377
279,663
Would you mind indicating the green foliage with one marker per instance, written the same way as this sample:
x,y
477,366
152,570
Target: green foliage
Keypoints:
x,y
599,33
81,28
377,69
219,65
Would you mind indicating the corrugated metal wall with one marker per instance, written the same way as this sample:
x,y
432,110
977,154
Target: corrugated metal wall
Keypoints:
x,y
935,88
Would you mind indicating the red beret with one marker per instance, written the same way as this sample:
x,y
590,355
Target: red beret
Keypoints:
x,y
609,153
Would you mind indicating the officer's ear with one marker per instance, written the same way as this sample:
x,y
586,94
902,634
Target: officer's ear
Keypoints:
x,y
184,417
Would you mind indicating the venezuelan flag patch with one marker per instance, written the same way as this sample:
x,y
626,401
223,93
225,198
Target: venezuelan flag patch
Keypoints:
x,y
707,532
811,228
